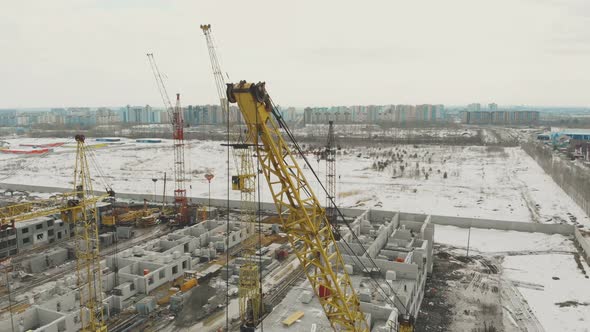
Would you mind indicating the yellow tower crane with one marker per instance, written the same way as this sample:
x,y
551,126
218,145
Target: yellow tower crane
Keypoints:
x,y
249,294
85,219
77,207
300,212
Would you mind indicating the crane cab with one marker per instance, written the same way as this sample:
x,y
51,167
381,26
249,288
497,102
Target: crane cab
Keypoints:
x,y
238,182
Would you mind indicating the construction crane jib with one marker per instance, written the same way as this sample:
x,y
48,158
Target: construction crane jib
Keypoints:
x,y
301,214
216,67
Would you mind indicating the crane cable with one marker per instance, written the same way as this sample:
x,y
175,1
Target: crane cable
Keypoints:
x,y
227,230
283,125
353,254
260,309
217,55
101,174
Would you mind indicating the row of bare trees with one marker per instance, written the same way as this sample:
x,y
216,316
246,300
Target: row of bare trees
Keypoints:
x,y
572,178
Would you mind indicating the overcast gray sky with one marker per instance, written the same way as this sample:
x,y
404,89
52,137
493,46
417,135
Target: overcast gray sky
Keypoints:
x,y
82,52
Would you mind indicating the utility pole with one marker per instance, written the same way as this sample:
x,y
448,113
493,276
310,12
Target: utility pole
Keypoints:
x,y
468,240
209,177
164,192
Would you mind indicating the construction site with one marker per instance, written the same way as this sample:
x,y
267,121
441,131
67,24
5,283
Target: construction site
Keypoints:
x,y
262,232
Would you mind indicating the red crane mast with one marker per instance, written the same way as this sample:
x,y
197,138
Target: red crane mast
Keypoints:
x,y
176,118
180,200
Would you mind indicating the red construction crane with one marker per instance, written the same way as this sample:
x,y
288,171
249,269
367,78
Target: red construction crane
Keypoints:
x,y
180,200
176,118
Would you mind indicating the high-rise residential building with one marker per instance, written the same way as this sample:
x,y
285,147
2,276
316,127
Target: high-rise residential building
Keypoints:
x,y
164,117
195,115
374,114
425,112
441,114
80,117
474,107
105,116
307,115
26,119
139,114
289,114
493,107
500,117
359,114
8,118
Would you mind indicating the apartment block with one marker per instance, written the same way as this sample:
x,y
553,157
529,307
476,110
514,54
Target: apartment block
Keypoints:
x,y
40,231
500,117
374,114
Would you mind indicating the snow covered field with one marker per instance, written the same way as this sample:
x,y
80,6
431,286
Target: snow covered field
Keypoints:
x,y
498,242
484,182
564,302
536,271
365,130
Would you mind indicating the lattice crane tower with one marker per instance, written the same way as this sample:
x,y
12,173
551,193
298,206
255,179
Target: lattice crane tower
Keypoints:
x,y
176,118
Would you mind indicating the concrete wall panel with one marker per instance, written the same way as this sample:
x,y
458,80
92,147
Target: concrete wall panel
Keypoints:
x,y
503,225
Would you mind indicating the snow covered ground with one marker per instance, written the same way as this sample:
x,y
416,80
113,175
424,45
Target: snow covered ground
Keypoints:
x,y
537,271
492,241
365,130
564,302
484,182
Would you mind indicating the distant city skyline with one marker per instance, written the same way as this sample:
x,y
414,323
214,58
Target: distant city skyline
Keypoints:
x,y
302,108
456,52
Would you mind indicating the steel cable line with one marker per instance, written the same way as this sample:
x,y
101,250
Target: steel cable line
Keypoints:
x,y
284,126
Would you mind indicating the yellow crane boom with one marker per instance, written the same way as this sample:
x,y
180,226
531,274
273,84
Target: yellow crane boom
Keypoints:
x,y
301,214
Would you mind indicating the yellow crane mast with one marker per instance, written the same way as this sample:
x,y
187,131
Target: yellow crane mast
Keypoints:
x,y
77,207
250,298
301,213
85,219
249,294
